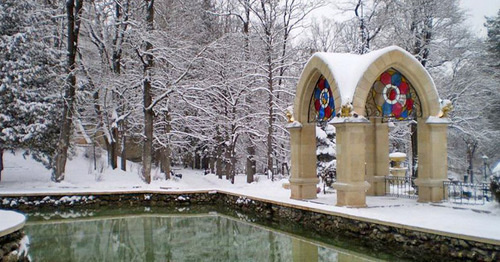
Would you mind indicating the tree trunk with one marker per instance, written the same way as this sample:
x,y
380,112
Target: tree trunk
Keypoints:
x,y
233,168
471,150
270,89
270,121
120,28
114,148
123,147
197,160
147,100
250,165
227,162
414,150
165,162
250,161
1,163
211,164
219,162
427,36
73,11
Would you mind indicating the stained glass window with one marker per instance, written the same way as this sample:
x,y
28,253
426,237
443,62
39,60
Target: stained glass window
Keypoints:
x,y
322,101
392,96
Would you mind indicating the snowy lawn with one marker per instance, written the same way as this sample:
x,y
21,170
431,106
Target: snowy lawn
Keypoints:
x,y
27,176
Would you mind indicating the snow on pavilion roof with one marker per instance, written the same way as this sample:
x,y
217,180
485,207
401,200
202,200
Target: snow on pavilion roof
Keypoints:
x,y
348,69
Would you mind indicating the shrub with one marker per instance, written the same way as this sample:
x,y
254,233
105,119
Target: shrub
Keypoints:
x,y
495,186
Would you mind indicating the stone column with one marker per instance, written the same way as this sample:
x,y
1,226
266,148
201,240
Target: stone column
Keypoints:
x,y
432,158
351,185
303,181
370,157
377,156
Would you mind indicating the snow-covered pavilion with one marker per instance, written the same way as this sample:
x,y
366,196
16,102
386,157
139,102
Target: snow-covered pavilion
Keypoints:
x,y
358,94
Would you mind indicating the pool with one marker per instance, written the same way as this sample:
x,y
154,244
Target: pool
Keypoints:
x,y
177,234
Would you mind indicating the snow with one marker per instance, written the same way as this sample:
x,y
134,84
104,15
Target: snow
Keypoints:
x,y
397,154
293,124
320,134
329,129
25,176
10,221
348,69
325,150
496,169
350,119
437,120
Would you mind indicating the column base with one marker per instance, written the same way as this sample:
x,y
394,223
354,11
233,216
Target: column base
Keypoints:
x,y
430,190
304,188
351,194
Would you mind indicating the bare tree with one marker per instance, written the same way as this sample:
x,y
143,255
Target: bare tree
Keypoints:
x,y
147,60
274,23
73,12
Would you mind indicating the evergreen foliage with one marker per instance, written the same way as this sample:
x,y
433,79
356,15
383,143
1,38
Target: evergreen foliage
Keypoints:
x,y
495,186
325,152
29,80
493,41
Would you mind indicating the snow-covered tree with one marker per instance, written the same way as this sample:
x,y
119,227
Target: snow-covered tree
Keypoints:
x,y
274,22
74,10
103,35
29,79
493,41
326,149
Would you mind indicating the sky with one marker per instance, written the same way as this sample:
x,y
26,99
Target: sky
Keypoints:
x,y
477,10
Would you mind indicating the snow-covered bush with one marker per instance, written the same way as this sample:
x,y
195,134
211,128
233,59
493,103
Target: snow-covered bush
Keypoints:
x,y
495,186
326,150
30,79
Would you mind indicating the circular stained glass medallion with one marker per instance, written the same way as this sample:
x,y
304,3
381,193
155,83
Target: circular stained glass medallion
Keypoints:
x,y
392,95
323,100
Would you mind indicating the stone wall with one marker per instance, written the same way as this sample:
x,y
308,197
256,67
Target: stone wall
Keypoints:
x,y
402,242
9,247
27,203
405,243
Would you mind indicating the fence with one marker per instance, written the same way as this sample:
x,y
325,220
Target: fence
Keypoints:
x,y
467,193
400,187
454,191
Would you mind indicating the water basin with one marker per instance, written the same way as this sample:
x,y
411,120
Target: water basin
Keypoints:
x,y
176,234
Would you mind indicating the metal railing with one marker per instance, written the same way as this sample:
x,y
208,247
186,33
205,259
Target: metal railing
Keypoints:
x,y
467,193
400,187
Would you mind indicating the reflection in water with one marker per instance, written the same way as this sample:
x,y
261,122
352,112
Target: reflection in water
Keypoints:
x,y
304,251
171,238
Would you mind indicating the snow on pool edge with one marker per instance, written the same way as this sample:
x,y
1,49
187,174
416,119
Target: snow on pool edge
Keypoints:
x,y
10,221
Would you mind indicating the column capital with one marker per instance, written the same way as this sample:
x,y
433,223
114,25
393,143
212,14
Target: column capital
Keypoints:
x,y
295,125
437,121
349,121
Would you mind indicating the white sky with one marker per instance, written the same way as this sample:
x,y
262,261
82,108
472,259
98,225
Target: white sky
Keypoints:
x,y
477,10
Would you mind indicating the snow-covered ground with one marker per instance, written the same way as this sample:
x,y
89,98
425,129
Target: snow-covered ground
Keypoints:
x,y
27,176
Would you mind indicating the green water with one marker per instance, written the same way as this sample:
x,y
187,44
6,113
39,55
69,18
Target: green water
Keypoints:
x,y
172,235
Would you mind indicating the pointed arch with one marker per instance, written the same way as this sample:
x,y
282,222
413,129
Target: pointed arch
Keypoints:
x,y
404,62
350,79
314,69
